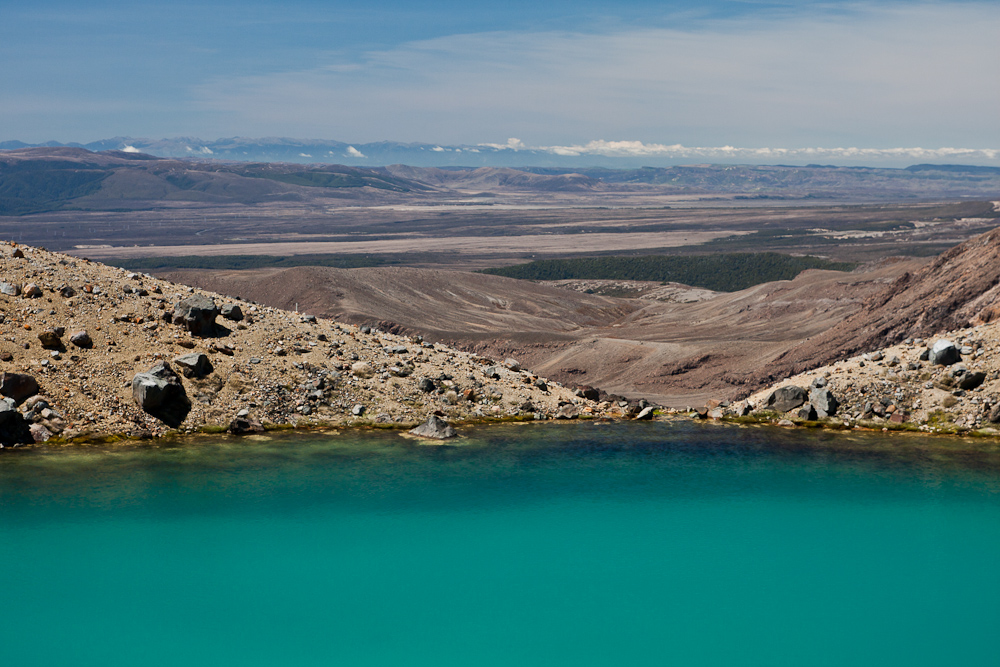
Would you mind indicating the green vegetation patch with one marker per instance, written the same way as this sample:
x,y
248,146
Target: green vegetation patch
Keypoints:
x,y
724,272
34,187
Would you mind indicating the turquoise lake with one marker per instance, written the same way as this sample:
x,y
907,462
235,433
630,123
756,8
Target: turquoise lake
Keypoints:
x,y
559,544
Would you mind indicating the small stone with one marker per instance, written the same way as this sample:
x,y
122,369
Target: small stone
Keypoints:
x,y
197,314
362,369
32,291
194,365
232,312
358,410
512,364
647,413
49,339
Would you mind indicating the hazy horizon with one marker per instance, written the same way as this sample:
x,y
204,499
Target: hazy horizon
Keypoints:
x,y
819,81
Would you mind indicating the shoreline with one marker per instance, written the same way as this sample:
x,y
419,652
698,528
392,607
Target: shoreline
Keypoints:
x,y
760,421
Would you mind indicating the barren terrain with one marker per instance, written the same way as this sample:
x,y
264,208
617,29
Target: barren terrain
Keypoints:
x,y
674,353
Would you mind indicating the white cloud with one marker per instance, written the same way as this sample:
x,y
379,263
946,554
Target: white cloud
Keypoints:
x,y
130,149
640,149
888,75
304,155
354,152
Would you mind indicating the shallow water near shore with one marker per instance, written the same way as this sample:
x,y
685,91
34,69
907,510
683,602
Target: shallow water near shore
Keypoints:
x,y
559,544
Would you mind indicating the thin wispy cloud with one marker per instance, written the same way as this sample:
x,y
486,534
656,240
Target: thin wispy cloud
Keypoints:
x,y
730,153
893,76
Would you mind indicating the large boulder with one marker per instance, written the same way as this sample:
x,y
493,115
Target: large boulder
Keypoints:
x,y
944,353
787,398
435,428
18,386
194,365
14,429
160,393
197,314
823,400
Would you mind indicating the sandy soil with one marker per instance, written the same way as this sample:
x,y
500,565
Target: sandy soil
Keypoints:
x,y
677,354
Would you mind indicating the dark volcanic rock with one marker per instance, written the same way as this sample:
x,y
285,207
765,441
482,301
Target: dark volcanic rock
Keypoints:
x,y
786,398
194,365
245,426
232,311
807,412
161,394
436,428
18,386
944,353
81,339
823,400
971,380
197,314
14,429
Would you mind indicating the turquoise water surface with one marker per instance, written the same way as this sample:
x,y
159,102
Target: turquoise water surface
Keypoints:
x,y
571,544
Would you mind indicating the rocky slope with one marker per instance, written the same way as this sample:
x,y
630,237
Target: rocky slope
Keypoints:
x,y
673,353
929,349
960,288
948,383
76,334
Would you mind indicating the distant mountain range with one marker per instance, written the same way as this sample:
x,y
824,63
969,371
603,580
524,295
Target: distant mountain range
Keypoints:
x,y
34,180
608,154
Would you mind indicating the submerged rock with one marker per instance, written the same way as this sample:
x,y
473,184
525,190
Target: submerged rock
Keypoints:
x,y
243,425
435,428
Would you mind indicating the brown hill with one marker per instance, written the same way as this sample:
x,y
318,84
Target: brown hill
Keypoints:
x,y
674,353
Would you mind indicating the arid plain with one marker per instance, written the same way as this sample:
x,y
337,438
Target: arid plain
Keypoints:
x,y
412,236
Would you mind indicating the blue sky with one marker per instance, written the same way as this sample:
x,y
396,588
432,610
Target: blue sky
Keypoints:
x,y
554,74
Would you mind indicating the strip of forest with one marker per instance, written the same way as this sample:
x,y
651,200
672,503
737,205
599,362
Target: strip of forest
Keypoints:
x,y
721,272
